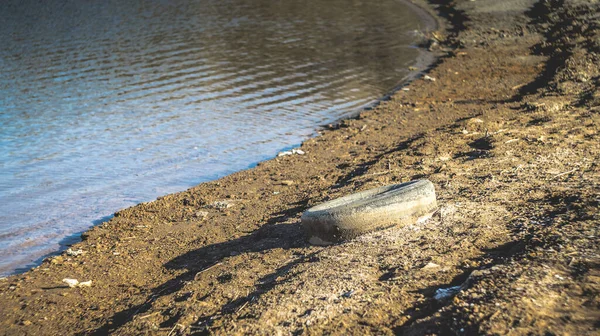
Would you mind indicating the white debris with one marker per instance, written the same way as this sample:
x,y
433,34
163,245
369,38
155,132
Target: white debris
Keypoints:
x,y
292,152
429,78
86,283
444,293
405,89
75,283
75,253
71,282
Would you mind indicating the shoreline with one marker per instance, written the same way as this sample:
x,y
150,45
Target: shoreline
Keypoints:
x,y
508,131
421,62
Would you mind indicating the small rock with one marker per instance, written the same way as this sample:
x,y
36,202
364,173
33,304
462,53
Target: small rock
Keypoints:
x,y
429,78
348,294
412,68
26,323
287,182
201,214
430,266
221,205
57,260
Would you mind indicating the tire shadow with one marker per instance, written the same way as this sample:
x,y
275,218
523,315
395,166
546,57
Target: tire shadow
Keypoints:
x,y
277,233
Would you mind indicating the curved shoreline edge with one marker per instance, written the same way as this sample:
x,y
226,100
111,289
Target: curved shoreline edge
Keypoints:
x,y
507,129
422,63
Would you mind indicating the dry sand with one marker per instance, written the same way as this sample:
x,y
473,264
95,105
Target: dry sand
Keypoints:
x,y
509,134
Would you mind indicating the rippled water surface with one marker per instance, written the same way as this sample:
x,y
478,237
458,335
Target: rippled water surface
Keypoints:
x,y
105,104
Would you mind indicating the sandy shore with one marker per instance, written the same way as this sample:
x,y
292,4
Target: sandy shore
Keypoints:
x,y
506,127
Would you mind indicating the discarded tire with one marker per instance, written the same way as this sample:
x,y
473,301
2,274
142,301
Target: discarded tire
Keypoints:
x,y
370,210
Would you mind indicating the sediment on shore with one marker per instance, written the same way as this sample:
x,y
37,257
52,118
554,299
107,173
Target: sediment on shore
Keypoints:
x,y
505,126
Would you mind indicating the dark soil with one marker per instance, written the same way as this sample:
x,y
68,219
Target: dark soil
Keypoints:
x,y
509,134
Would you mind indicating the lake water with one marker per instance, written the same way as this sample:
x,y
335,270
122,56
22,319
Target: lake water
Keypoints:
x,y
105,104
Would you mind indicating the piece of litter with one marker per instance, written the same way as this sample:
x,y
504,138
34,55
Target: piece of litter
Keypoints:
x,y
558,277
292,152
287,182
405,89
511,140
71,282
445,293
74,253
75,283
429,78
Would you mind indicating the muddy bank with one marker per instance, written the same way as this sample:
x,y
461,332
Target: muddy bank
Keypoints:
x,y
507,132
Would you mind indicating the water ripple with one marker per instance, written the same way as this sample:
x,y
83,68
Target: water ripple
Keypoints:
x,y
104,104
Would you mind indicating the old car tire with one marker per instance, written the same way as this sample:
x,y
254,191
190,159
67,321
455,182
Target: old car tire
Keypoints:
x,y
350,216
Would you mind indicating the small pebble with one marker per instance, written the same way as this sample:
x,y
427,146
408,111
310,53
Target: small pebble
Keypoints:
x,y
430,266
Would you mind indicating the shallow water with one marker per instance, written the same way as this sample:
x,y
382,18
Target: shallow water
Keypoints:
x,y
105,104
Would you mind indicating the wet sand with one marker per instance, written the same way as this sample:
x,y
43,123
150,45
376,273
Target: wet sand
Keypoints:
x,y
508,134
